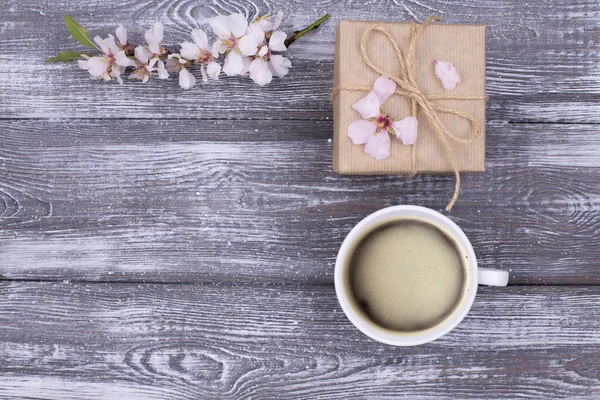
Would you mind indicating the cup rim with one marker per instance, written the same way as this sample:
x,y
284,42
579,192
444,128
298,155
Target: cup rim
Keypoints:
x,y
388,336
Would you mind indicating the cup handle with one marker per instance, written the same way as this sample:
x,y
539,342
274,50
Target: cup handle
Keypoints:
x,y
492,277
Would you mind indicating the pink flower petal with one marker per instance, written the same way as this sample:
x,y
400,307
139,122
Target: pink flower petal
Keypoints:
x,y
122,35
220,25
238,24
378,146
406,130
214,70
233,64
384,88
276,43
447,74
368,106
280,65
162,71
142,54
248,45
189,51
200,38
186,79
260,72
360,131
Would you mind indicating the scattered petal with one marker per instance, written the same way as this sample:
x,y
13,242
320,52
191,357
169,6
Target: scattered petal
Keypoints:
x,y
360,131
406,130
447,74
368,106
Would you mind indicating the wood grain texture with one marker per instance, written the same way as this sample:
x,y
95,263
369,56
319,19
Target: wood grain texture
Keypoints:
x,y
257,201
213,218
76,341
542,59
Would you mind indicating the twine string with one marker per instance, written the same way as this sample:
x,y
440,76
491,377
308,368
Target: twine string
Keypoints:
x,y
407,87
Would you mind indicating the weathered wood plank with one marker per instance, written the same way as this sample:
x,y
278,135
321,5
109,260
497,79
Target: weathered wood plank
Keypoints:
x,y
542,62
65,341
257,201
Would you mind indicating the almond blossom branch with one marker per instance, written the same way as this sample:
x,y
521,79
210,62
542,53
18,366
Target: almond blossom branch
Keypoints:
x,y
249,48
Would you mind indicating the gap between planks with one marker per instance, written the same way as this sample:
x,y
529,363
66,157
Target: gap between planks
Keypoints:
x,y
253,284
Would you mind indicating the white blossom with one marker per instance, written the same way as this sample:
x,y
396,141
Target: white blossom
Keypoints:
x,y
151,55
233,40
200,51
269,23
145,66
110,65
177,63
265,64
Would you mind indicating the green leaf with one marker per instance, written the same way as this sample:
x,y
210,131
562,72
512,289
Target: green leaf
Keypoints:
x,y
78,32
66,56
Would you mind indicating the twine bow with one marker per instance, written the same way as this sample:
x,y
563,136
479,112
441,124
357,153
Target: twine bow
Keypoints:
x,y
407,87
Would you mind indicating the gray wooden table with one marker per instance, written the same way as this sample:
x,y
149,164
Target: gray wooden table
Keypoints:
x,y
162,244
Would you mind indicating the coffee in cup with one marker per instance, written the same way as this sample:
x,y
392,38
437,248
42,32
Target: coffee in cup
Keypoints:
x,y
407,275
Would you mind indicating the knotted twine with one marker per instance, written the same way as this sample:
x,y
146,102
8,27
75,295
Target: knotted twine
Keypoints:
x,y
407,87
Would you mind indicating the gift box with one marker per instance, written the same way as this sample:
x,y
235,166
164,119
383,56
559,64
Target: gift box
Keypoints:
x,y
451,123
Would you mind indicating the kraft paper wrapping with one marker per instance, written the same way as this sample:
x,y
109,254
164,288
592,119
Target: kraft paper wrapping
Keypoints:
x,y
462,45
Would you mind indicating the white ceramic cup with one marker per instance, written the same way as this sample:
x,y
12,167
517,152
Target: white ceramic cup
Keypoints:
x,y
474,276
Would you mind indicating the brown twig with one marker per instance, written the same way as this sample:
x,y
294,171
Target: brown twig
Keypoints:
x,y
298,34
